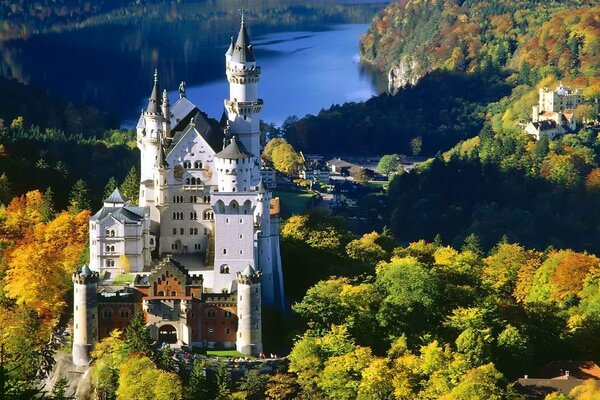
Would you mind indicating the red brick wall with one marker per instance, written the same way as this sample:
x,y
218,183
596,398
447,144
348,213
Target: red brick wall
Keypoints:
x,y
167,284
110,317
218,323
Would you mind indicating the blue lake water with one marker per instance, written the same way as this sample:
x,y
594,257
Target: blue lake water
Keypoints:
x,y
302,72
308,51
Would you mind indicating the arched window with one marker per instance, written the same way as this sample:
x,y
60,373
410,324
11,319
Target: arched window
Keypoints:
x,y
124,313
208,215
173,293
187,181
193,181
107,313
224,251
198,164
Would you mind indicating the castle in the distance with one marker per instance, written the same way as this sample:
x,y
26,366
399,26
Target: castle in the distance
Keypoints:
x,y
199,255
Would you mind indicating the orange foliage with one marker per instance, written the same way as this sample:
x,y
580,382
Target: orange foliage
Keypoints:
x,y
592,181
42,255
570,273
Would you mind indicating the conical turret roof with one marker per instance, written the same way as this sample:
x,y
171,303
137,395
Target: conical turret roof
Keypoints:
x,y
248,271
234,151
242,51
153,102
230,49
85,271
116,197
261,187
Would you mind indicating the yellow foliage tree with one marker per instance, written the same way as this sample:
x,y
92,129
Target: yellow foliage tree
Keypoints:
x,y
39,265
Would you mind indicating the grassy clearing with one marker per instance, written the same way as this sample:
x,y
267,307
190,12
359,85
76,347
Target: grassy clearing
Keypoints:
x,y
123,279
225,354
293,201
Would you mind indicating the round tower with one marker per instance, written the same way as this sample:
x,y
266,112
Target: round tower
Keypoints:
x,y
265,243
249,333
166,113
149,132
234,165
243,105
85,314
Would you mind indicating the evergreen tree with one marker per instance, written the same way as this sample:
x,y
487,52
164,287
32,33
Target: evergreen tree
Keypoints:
x,y
5,189
254,384
137,336
59,390
223,383
198,387
472,244
47,210
110,187
131,185
166,361
79,197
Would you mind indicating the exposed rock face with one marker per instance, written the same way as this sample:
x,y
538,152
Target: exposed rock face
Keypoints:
x,y
80,378
403,74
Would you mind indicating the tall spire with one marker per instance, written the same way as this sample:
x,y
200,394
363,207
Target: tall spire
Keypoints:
x,y
153,102
242,51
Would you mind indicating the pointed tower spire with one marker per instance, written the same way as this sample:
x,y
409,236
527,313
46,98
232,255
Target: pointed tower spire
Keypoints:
x,y
153,105
242,51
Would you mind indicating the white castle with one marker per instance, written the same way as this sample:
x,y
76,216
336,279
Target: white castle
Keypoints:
x,y
203,243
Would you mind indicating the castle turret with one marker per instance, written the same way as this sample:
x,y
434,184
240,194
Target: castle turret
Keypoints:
x,y
150,133
166,112
249,334
243,105
85,314
235,166
269,262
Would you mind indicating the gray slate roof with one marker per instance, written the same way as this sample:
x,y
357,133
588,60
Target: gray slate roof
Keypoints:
x,y
234,151
126,215
116,197
242,51
545,125
248,271
206,127
180,111
153,104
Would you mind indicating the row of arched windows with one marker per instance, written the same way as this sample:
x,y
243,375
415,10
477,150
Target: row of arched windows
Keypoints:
x,y
188,164
110,232
110,248
193,181
108,313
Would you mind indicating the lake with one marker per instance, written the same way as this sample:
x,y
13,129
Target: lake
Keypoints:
x,y
308,52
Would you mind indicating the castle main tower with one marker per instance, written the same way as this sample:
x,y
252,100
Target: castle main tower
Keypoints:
x,y
243,105
150,135
85,314
249,333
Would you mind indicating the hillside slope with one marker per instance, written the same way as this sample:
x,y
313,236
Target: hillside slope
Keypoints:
x,y
475,36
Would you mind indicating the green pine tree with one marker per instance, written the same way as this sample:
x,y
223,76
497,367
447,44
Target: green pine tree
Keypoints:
x,y
137,336
254,384
131,185
223,383
59,390
110,187
198,387
166,360
472,244
47,209
79,197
